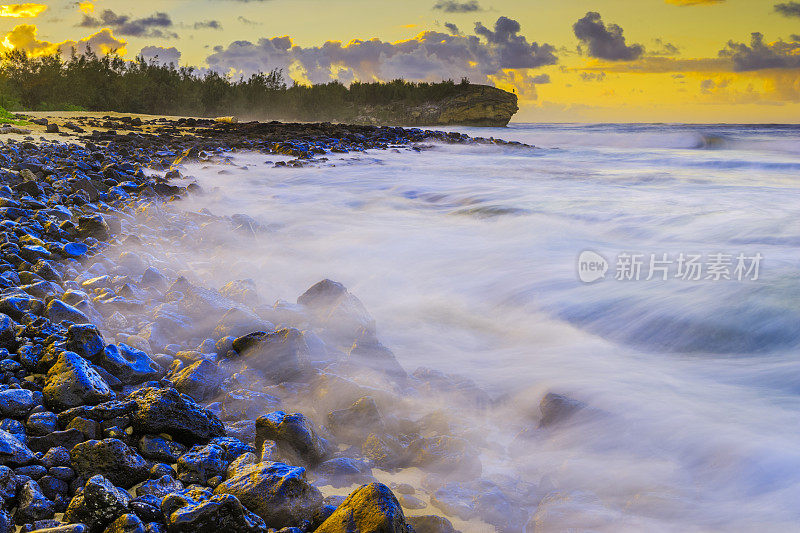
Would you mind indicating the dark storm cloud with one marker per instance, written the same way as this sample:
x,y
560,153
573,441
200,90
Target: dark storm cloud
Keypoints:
x,y
451,6
788,9
430,56
515,50
760,55
153,26
605,42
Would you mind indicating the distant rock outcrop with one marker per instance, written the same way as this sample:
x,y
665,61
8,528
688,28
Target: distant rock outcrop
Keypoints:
x,y
472,105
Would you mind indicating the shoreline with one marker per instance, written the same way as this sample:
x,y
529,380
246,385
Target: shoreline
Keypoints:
x,y
106,403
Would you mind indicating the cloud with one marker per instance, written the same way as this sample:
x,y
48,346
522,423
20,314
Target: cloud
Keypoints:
x,y
22,10
452,28
87,8
208,25
430,56
247,21
788,9
664,48
153,26
605,42
24,37
452,6
760,55
693,2
161,55
514,50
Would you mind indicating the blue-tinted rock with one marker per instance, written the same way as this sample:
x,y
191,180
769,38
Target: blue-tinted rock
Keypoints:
x,y
233,447
12,451
18,306
127,523
72,382
128,364
222,512
159,487
160,449
32,504
97,504
85,340
17,403
15,427
202,463
42,423
8,485
75,249
58,311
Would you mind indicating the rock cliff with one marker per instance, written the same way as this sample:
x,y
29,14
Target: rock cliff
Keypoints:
x,y
472,105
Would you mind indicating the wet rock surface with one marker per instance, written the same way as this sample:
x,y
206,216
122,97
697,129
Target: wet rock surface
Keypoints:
x,y
216,409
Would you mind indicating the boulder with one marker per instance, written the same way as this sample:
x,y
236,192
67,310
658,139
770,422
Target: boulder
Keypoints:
x,y
127,523
85,340
112,458
93,226
58,311
223,512
17,403
159,487
342,316
165,410
129,365
557,408
160,449
371,508
282,355
295,435
357,421
72,381
200,380
278,493
12,451
202,463
32,504
97,504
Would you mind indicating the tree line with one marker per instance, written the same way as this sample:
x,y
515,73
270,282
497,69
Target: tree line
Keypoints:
x,y
93,82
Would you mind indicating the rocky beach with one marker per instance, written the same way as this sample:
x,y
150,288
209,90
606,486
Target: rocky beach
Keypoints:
x,y
137,397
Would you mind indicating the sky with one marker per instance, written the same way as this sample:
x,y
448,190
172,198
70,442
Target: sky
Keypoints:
x,y
567,60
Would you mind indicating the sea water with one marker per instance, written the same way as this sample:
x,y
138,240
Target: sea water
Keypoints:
x,y
467,256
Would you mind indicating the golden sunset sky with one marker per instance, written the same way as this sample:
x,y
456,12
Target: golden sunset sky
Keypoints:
x,y
568,60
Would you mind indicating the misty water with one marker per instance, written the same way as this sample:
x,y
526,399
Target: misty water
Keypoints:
x,y
466,256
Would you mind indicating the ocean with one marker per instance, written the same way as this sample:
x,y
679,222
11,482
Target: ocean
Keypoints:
x,y
685,350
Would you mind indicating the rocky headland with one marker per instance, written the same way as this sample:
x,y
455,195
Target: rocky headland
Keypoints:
x,y
472,105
